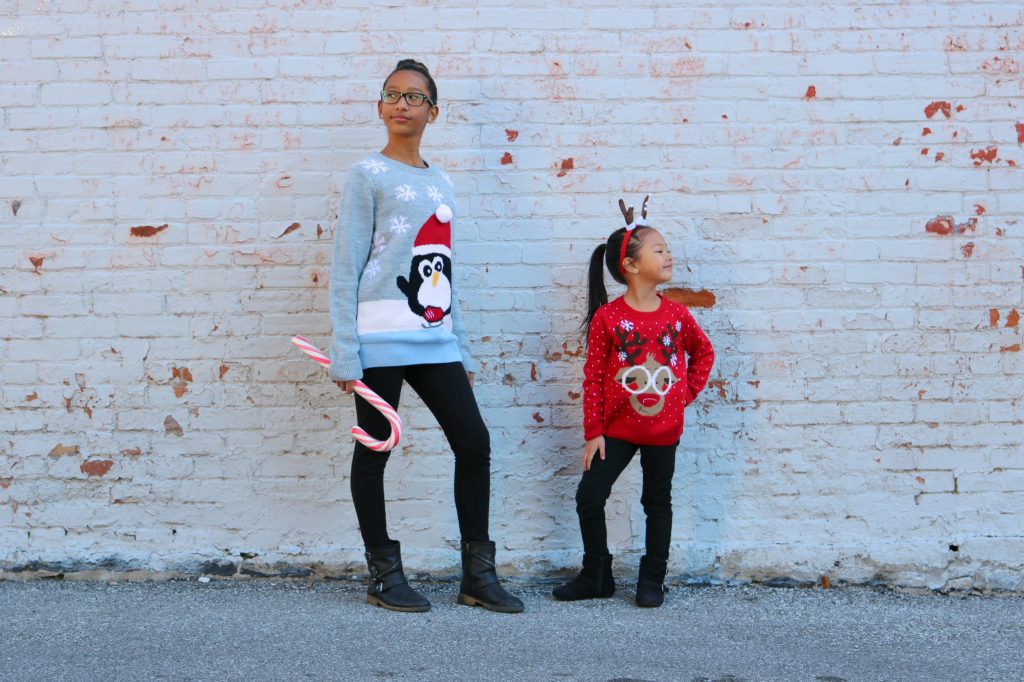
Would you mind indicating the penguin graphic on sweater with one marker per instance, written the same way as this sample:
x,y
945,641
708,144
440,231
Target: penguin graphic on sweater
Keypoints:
x,y
428,288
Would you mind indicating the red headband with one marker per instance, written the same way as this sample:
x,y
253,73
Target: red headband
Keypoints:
x,y
622,251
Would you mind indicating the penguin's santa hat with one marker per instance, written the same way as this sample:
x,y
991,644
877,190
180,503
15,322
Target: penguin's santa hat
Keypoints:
x,y
436,234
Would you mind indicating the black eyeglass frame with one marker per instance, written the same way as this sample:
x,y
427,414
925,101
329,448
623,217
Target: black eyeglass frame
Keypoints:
x,y
406,96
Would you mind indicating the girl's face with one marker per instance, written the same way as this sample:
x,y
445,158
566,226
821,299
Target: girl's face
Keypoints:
x,y
401,118
653,261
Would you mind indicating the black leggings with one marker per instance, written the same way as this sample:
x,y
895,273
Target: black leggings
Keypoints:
x,y
658,463
445,390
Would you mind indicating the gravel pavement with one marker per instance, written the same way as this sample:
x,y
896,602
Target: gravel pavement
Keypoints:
x,y
264,630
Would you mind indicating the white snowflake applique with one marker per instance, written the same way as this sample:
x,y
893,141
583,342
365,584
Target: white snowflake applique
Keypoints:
x,y
447,178
405,193
372,268
399,224
434,194
626,325
622,356
679,325
673,360
375,166
379,242
665,341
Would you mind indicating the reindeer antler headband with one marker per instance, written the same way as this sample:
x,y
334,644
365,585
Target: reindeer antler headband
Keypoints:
x,y
630,226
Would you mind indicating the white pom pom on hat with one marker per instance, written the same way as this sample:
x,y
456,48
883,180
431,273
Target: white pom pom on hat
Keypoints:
x,y
443,213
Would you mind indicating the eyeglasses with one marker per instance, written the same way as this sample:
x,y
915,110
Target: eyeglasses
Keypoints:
x,y
413,99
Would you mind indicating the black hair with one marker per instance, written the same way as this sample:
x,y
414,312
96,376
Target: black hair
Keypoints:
x,y
421,69
607,255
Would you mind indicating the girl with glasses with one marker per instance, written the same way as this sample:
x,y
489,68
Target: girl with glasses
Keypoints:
x,y
647,359
396,319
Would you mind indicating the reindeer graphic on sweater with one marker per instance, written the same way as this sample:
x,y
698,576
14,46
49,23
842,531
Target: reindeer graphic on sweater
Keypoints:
x,y
647,382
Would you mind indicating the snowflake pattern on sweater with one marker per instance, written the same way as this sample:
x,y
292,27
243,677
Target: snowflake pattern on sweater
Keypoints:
x,y
636,382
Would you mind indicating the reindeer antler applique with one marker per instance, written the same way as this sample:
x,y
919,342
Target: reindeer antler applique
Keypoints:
x,y
631,344
667,347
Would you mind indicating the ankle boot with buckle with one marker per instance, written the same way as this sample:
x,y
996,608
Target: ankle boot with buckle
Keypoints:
x,y
480,586
650,588
388,587
595,581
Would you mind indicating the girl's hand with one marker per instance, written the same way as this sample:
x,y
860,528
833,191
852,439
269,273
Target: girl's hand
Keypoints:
x,y
346,386
594,445
470,376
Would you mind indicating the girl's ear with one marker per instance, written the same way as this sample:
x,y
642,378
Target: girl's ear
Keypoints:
x,y
380,109
432,116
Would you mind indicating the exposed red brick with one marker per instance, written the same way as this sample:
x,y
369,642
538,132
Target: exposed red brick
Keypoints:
x,y
131,452
942,224
691,298
147,230
939,156
537,418
993,317
533,371
1013,319
511,135
96,467
924,152
926,131
969,226
566,166
934,107
1015,348
720,385
36,261
897,141
967,249
5,483
506,159
574,395
288,230
811,93
15,206
34,395
1020,132
987,155
224,370
979,209
319,230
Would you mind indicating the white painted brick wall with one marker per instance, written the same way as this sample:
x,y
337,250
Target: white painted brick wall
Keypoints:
x,y
846,181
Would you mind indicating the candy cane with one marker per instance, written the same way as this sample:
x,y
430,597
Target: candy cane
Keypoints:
x,y
368,395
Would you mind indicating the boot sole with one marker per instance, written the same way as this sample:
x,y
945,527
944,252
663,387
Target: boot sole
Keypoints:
x,y
391,607
467,600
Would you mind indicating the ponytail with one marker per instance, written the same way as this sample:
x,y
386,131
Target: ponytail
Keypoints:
x,y
597,295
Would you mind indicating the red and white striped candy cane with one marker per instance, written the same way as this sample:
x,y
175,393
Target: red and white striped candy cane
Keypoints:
x,y
368,395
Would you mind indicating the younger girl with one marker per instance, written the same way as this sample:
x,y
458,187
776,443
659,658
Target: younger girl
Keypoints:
x,y
646,361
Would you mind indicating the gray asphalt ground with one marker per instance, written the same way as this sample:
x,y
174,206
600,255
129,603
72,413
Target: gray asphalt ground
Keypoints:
x,y
263,630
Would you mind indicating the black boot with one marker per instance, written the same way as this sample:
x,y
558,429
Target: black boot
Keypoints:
x,y
650,591
388,587
595,581
480,586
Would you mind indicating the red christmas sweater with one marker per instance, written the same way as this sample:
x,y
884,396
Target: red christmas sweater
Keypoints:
x,y
642,370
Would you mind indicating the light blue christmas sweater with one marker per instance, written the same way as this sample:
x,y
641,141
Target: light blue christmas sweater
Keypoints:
x,y
393,298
